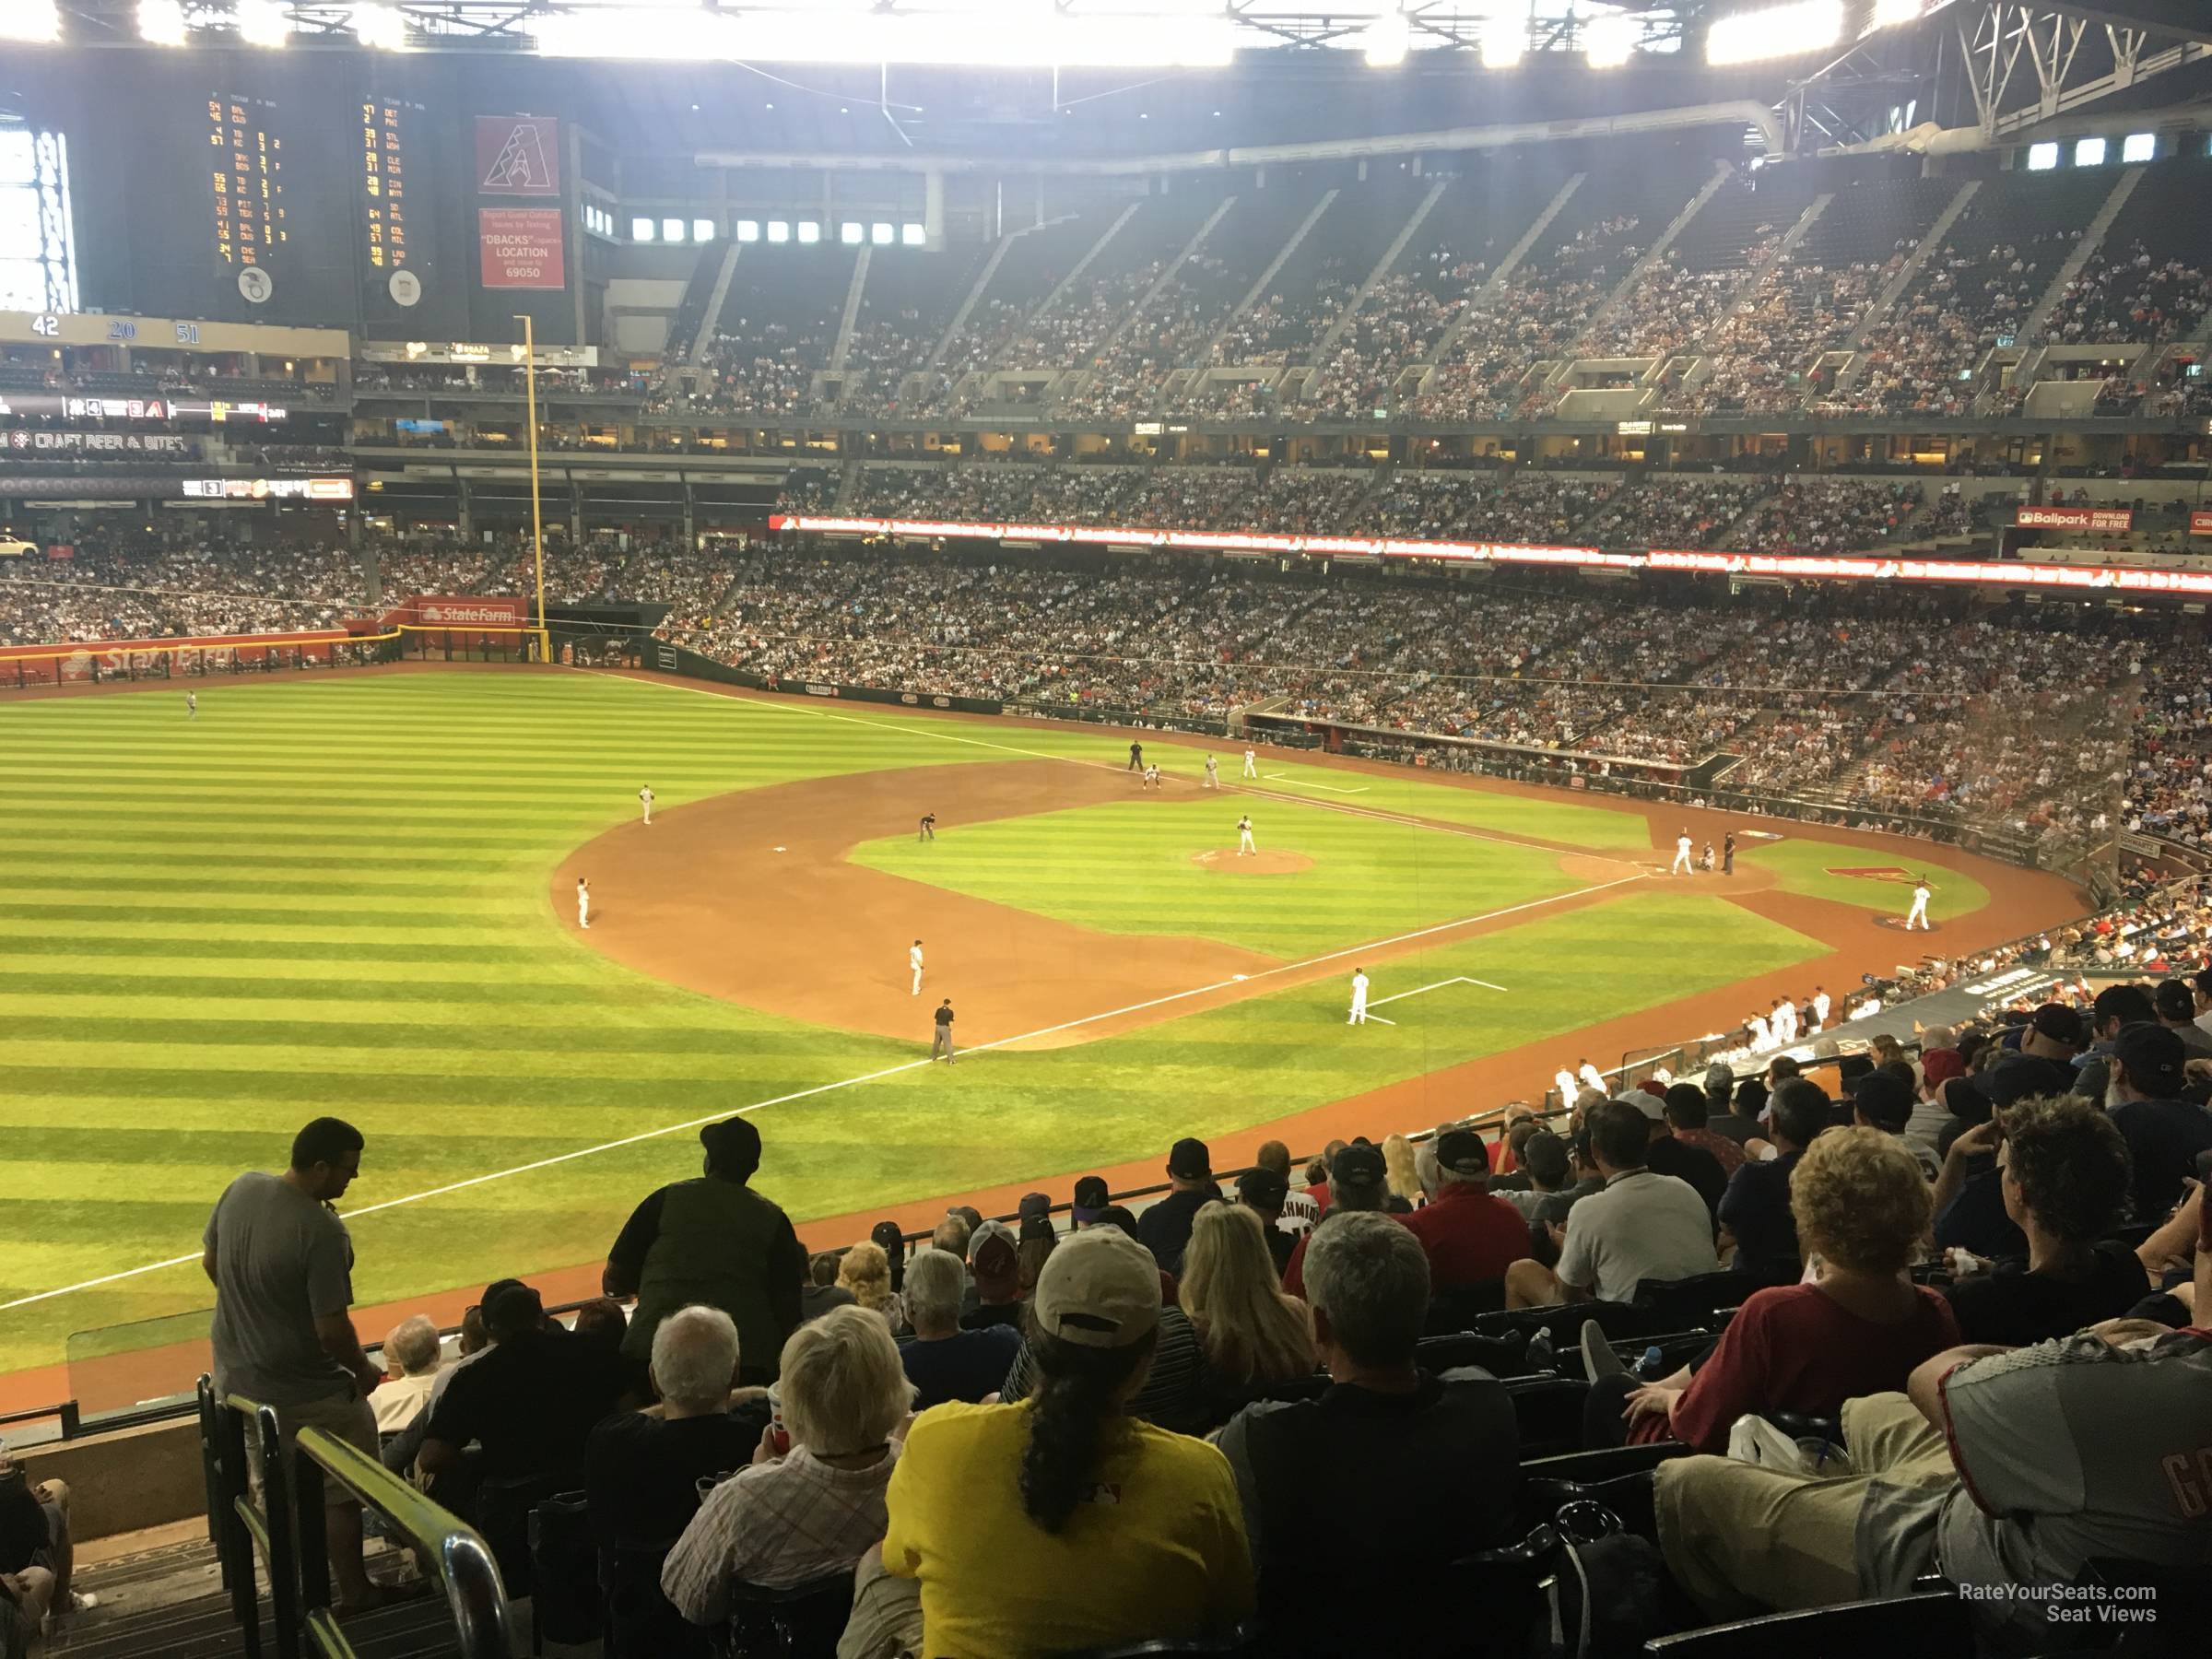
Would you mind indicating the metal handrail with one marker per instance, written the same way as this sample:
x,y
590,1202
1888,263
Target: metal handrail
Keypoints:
x,y
456,1552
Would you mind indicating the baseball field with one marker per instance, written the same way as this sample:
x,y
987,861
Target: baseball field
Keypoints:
x,y
354,894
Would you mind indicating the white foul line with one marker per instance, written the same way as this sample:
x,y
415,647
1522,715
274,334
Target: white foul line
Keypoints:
x,y
1457,979
1309,783
876,1075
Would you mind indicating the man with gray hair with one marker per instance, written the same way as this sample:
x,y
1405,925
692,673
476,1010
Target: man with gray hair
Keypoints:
x,y
411,1360
641,1469
1425,1464
943,1361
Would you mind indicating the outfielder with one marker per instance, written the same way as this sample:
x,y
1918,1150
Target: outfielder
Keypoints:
x,y
584,902
1252,768
1213,776
1358,997
914,960
646,800
1919,913
191,705
1244,842
1682,864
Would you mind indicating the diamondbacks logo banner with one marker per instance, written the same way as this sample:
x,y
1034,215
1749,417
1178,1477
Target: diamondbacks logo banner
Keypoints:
x,y
1875,873
518,155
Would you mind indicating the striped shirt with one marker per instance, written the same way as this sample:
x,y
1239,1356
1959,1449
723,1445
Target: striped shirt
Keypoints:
x,y
775,1525
1174,1395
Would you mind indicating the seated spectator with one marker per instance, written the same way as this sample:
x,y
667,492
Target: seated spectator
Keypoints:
x,y
1039,1239
1665,1155
1546,1166
2115,1008
1862,1209
943,1361
529,1403
1358,1181
1263,1193
822,1292
1732,1112
996,1258
2176,1005
1970,1212
865,1271
1069,1522
36,1557
1165,1228
1643,1225
1471,1238
1883,1100
1755,1212
1093,1197
798,1515
1937,1066
1300,1210
1427,1461
1254,1335
2164,1133
2064,1172
1401,1175
1688,1117
641,1469
411,1365
601,1321
891,1238
2009,1468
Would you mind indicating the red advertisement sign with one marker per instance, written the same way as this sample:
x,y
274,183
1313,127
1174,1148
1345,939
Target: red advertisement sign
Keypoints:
x,y
2200,524
2074,518
433,611
518,155
521,247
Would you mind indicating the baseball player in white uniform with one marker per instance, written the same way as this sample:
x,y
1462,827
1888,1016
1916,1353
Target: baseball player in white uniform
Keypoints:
x,y
1213,776
191,705
1151,777
1919,913
646,800
1760,1037
1682,864
584,902
914,960
1252,764
1784,1022
1244,842
1358,997
1564,1078
1591,1076
1820,1008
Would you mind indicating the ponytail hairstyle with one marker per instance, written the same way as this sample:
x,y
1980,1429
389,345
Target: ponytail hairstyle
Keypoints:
x,y
1073,1417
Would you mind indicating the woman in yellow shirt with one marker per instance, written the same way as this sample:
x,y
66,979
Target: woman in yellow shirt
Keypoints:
x,y
1061,1522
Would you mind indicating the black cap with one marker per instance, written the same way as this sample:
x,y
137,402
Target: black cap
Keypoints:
x,y
891,1237
2020,1077
2154,1058
733,1147
1544,1156
1262,1189
2173,1002
1883,1100
1459,1153
1092,1196
1033,1203
1357,1166
1189,1161
2059,1022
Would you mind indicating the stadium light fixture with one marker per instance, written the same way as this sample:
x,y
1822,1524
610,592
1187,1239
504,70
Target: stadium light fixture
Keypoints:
x,y
262,23
1892,14
33,21
1776,32
161,22
1387,40
1503,35
1610,39
379,28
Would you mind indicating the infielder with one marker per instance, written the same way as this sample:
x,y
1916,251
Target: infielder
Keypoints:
x,y
942,1041
1252,768
1151,777
584,902
646,800
1213,776
914,960
191,705
1919,913
927,828
1244,842
1682,864
1358,997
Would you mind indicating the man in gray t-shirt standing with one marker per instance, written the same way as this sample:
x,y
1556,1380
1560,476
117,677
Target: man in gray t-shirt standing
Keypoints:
x,y
282,1265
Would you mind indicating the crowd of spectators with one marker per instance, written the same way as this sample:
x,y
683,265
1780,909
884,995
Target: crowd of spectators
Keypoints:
x,y
2127,295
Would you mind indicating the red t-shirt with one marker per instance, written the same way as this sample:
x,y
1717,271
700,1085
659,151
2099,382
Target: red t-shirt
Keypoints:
x,y
1796,1348
1471,1237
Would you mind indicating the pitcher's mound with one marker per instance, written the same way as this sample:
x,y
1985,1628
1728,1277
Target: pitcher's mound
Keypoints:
x,y
1251,863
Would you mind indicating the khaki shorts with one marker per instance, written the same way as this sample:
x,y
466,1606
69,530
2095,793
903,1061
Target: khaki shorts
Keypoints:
x,y
342,1417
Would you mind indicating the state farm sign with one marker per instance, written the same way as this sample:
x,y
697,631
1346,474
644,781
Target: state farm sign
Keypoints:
x,y
467,613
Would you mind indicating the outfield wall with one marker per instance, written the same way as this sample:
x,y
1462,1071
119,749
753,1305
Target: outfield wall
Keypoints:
x,y
23,665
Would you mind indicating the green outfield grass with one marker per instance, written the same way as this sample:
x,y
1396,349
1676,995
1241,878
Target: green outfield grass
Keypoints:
x,y
1126,868
332,895
1803,866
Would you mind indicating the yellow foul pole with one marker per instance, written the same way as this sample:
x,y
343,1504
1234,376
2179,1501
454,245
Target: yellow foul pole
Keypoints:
x,y
537,529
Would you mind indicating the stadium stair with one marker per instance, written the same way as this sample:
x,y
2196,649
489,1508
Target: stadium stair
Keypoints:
x,y
704,331
1259,289
1327,342
1652,256
851,314
982,282
1492,286
1895,290
2091,240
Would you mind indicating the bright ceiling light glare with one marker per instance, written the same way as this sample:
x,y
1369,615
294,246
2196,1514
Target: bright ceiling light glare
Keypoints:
x,y
1503,35
262,23
1778,31
1610,39
34,20
379,28
1387,40
161,22
1889,14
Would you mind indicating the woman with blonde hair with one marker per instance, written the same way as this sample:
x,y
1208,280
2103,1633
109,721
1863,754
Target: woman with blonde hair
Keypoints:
x,y
1861,1206
1253,1334
1401,1173
865,1271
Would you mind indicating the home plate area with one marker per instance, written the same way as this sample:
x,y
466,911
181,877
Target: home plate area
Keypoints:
x,y
1458,979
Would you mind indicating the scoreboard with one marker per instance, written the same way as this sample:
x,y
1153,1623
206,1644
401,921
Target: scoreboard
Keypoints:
x,y
250,224
389,129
